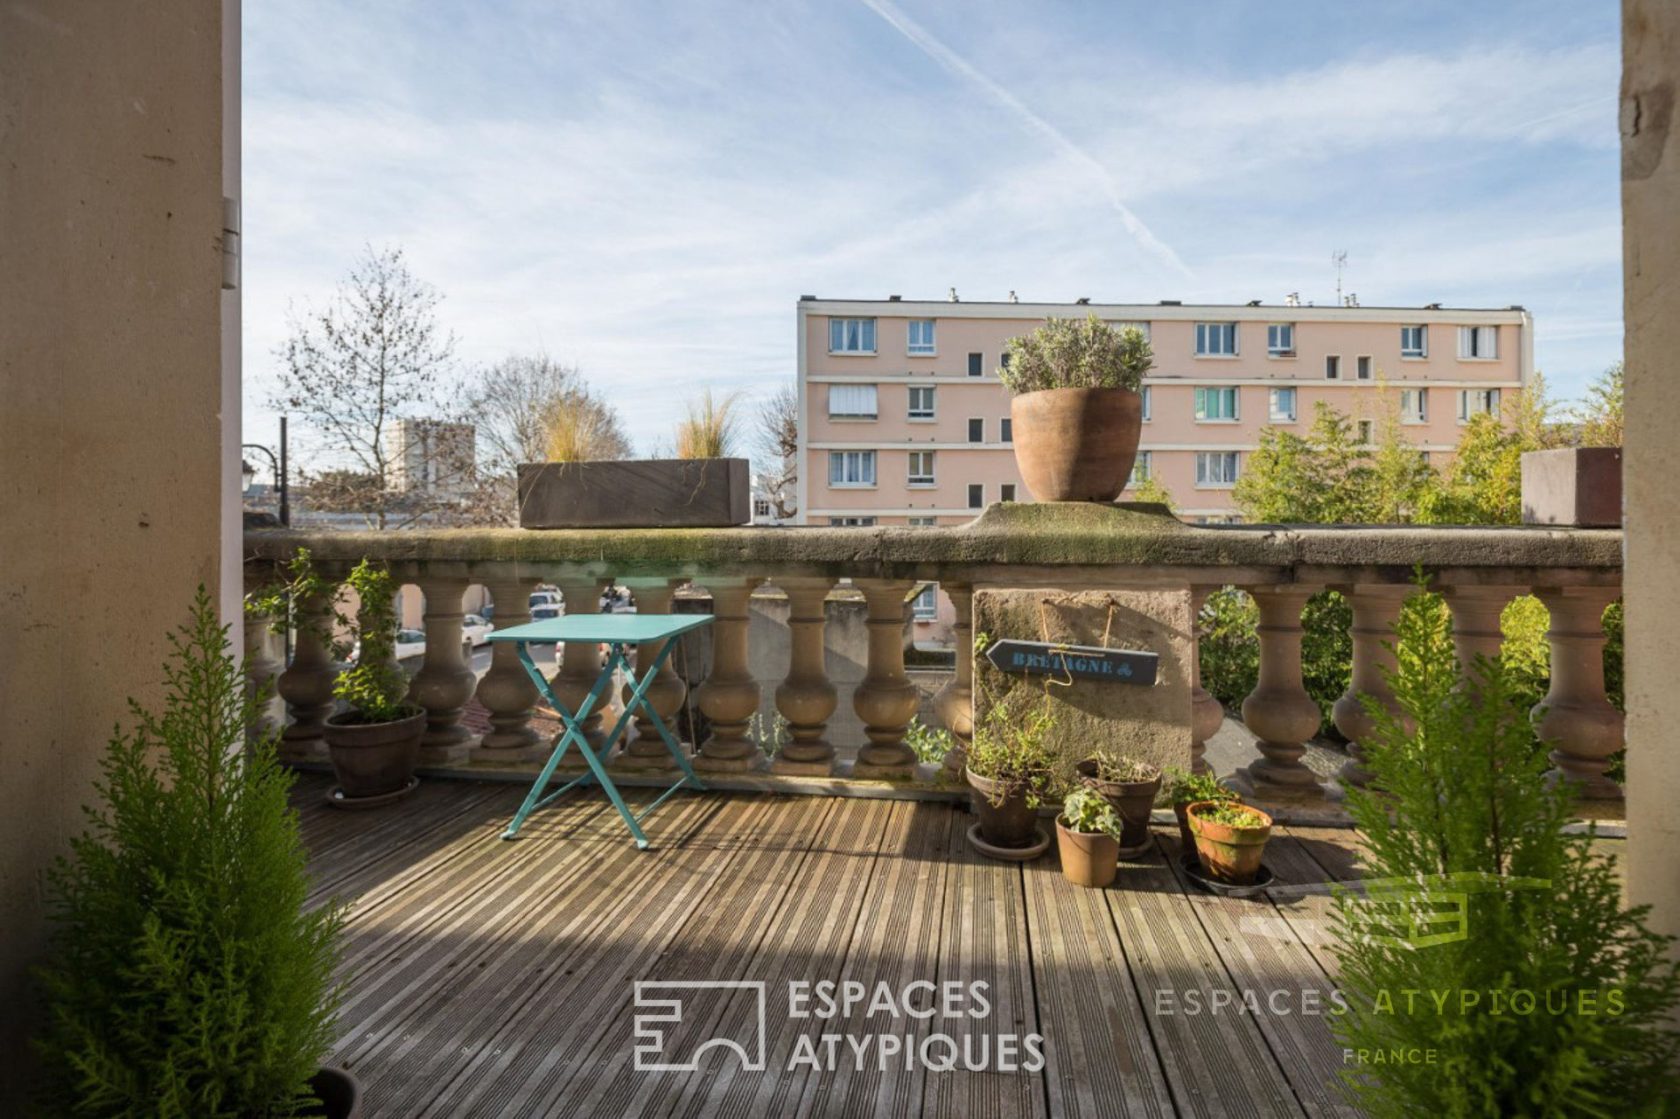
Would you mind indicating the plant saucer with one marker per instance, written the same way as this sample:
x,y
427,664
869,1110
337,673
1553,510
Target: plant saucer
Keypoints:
x,y
1263,880
1009,854
336,797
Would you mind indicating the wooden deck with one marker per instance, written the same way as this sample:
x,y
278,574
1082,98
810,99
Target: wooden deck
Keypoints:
x,y
487,978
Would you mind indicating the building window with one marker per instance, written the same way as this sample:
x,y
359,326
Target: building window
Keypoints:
x,y
925,606
976,495
851,468
921,402
1477,402
1414,406
1141,327
851,336
1280,340
976,363
761,507
1004,359
976,431
921,468
1006,491
1006,430
1216,470
1145,403
1367,431
851,522
922,522
1216,339
921,337
1141,468
1414,341
1216,405
1283,406
1362,368
851,402
1332,368
1478,343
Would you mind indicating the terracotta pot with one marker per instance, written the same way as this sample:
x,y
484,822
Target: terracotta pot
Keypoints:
x,y
1011,824
339,1093
1229,854
372,759
1088,858
1076,444
1134,800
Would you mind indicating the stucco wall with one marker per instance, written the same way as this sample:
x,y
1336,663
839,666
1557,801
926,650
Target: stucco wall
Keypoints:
x,y
111,414
1651,457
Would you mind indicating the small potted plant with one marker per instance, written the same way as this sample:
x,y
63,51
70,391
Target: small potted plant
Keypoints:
x,y
187,974
1230,839
1130,785
1076,409
1011,770
374,743
1183,789
1088,834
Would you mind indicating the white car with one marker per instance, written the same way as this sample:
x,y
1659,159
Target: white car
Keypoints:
x,y
475,631
410,643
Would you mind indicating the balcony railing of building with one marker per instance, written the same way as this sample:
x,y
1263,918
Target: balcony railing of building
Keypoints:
x,y
1576,573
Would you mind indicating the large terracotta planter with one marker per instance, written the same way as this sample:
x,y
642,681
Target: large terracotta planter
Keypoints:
x,y
1228,854
1011,824
1088,858
1076,444
374,759
339,1093
1133,800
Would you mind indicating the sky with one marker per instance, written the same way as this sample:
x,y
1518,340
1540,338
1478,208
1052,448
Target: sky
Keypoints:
x,y
645,190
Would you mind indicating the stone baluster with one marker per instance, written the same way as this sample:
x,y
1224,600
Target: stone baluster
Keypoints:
x,y
1375,610
885,700
646,751
262,668
1207,714
806,698
445,681
1582,724
507,690
729,695
955,701
307,683
1475,621
1279,711
580,666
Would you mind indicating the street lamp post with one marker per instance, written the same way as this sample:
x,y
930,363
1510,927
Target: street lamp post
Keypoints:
x,y
278,463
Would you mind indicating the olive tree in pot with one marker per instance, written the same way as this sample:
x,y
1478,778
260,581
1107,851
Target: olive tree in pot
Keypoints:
x,y
186,974
1076,409
1183,789
1011,770
1088,834
1130,785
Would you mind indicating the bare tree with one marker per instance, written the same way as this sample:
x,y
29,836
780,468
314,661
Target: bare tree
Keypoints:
x,y
777,441
532,408
354,370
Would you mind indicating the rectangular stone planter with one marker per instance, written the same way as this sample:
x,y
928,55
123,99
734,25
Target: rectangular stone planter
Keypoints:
x,y
645,493
1573,486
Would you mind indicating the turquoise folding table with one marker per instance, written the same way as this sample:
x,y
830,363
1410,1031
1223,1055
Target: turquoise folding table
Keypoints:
x,y
617,632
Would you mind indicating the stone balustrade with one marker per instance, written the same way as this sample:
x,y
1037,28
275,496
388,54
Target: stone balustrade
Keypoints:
x,y
1575,572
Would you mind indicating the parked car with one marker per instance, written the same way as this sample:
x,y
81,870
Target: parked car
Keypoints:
x,y
410,643
475,630
544,598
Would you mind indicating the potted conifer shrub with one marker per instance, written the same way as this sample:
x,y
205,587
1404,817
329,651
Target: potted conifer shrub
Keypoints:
x,y
1182,789
1230,839
186,975
1130,785
1076,408
1088,831
374,742
1010,769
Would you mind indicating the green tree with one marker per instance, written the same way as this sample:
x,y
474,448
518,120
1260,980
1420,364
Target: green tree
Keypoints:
x,y
1400,477
1151,489
1483,483
1323,477
1600,415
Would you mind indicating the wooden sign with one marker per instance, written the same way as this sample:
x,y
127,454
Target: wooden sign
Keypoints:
x,y
1074,662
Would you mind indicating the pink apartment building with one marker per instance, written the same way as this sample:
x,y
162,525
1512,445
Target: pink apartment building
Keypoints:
x,y
903,420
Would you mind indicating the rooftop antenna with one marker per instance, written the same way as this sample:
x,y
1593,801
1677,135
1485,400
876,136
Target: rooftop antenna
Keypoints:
x,y
1339,259
953,295
1013,298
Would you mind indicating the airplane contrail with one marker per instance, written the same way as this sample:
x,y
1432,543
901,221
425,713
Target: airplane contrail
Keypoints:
x,y
960,66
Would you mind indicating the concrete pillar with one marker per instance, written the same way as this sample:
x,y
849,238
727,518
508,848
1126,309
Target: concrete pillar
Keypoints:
x,y
445,681
507,690
307,683
1206,712
1279,711
807,697
955,701
1475,622
729,695
580,666
121,414
1651,456
1584,727
886,701
646,750
1375,610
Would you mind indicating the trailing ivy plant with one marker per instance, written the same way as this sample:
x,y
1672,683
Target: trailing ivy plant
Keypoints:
x,y
1088,812
930,744
1075,354
374,686
1181,787
186,976
1557,1000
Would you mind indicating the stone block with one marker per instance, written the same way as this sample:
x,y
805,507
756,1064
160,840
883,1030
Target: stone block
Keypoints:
x,y
1574,486
643,493
1151,723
